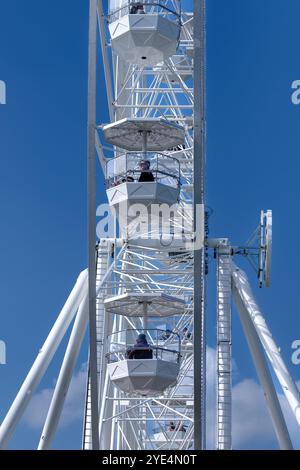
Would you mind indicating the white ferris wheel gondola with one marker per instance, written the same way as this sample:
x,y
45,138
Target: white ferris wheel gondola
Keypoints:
x,y
143,370
144,177
144,32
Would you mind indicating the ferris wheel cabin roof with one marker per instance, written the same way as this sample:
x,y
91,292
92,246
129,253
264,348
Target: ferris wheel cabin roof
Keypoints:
x,y
139,304
128,134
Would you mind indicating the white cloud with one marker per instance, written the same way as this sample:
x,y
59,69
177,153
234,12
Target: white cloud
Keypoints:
x,y
251,421
73,409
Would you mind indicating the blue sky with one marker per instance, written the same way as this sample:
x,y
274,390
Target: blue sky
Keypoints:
x,y
252,163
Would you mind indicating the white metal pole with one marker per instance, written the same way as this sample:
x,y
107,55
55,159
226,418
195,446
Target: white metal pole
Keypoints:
x,y
43,360
224,398
91,220
106,409
104,320
263,373
288,385
198,196
106,63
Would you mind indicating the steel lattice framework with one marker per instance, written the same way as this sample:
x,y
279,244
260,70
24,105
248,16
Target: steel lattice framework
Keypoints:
x,y
149,92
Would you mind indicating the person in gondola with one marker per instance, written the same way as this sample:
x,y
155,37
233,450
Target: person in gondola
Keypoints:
x,y
172,426
133,10
140,9
141,349
186,334
146,175
166,335
137,8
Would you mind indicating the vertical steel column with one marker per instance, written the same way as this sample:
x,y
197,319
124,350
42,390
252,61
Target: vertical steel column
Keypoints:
x,y
224,399
199,280
104,48
101,270
91,189
104,320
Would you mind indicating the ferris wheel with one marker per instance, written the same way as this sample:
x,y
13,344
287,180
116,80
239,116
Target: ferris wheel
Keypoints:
x,y
146,388
143,295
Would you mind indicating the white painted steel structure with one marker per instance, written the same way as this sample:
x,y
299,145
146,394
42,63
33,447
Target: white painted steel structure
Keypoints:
x,y
151,395
224,347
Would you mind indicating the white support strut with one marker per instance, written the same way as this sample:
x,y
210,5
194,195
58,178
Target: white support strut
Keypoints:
x,y
43,360
247,299
263,373
65,376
